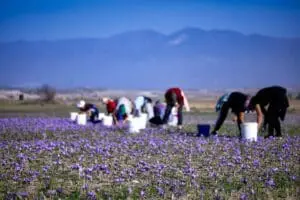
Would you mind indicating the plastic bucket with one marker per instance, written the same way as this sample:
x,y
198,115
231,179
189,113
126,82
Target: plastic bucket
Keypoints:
x,y
142,120
203,129
174,111
130,116
134,125
249,131
73,116
101,116
81,119
107,120
173,120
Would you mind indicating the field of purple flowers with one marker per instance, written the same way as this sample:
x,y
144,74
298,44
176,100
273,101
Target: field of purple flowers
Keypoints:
x,y
52,158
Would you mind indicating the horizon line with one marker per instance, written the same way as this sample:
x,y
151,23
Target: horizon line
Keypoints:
x,y
149,29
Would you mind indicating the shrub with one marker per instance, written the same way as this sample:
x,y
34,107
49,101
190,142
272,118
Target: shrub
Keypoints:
x,y
47,93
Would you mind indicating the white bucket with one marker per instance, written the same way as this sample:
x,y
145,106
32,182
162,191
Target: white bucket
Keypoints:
x,y
81,119
142,120
173,120
174,111
101,116
107,120
249,131
173,117
73,116
134,125
130,116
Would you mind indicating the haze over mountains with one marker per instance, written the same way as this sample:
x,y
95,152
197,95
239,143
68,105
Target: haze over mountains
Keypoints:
x,y
145,59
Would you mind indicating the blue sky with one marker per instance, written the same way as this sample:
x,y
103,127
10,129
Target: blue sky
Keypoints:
x,y
59,19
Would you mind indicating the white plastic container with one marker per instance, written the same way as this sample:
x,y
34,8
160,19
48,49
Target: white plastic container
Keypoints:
x,y
173,120
134,125
73,116
249,131
174,111
142,120
107,121
81,119
130,116
101,116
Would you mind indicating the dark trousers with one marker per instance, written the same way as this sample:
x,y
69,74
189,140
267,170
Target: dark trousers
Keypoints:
x,y
222,116
94,116
272,119
276,110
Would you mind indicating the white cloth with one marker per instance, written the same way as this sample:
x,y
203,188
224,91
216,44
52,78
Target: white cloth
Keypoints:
x,y
139,102
186,103
126,102
149,110
81,104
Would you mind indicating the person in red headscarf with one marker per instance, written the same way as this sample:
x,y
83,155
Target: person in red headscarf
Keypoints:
x,y
175,97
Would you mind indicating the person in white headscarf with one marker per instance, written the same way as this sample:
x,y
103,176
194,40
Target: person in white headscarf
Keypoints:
x,y
143,104
124,108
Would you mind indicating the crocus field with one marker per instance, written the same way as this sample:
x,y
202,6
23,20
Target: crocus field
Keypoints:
x,y
53,158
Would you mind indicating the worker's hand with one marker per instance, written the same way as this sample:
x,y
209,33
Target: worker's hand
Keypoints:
x,y
125,121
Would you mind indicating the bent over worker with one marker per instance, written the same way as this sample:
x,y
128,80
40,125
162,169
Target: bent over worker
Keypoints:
x,y
238,103
175,97
276,99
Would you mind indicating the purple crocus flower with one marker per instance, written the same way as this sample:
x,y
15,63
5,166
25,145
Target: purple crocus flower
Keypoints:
x,y
270,182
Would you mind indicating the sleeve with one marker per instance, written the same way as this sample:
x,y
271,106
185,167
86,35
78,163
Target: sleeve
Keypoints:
x,y
150,110
185,102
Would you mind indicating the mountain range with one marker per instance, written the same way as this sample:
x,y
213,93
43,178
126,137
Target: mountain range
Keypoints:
x,y
145,59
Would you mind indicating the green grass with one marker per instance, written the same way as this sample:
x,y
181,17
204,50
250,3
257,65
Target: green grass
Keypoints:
x,y
19,109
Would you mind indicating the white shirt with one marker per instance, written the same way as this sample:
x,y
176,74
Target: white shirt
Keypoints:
x,y
126,102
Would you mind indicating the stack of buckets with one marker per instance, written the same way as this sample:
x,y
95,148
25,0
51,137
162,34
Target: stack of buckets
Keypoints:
x,y
137,123
80,119
106,119
73,116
